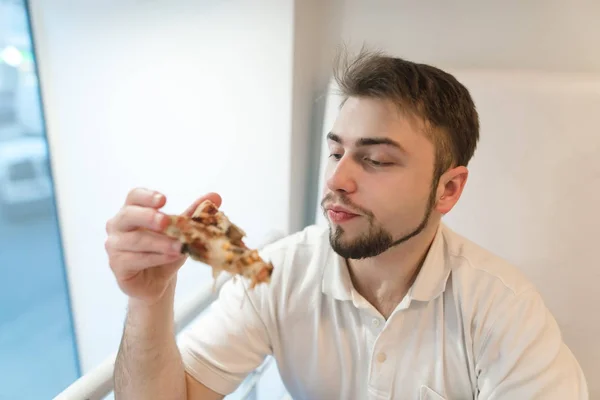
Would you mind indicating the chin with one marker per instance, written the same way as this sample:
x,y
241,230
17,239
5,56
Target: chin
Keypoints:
x,y
347,234
357,243
341,231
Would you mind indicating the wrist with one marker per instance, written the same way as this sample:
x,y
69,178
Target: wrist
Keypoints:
x,y
155,301
155,311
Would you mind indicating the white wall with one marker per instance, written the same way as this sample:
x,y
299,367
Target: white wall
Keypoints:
x,y
534,71
184,97
317,27
542,35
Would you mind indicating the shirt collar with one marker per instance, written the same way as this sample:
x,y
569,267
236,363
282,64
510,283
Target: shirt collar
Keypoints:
x,y
429,284
431,280
336,278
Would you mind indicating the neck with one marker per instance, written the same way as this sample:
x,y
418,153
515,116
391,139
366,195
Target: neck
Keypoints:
x,y
385,279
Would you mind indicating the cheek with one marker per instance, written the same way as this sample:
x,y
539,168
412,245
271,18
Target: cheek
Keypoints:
x,y
324,190
380,196
398,198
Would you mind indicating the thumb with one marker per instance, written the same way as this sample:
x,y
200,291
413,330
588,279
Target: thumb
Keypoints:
x,y
214,197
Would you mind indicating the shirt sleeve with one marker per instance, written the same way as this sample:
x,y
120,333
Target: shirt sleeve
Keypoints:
x,y
230,339
524,356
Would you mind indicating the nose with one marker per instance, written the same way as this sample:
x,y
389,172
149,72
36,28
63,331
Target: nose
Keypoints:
x,y
341,177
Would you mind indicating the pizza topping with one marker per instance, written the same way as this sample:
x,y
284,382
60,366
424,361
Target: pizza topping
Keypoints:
x,y
209,237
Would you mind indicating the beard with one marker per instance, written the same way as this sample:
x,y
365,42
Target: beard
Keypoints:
x,y
376,239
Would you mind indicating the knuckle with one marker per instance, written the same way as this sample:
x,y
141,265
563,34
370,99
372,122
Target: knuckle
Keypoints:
x,y
115,265
110,243
117,220
136,240
139,195
112,223
165,246
151,216
132,193
138,216
109,226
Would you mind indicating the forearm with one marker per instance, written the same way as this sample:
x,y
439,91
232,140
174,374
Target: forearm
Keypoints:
x,y
149,364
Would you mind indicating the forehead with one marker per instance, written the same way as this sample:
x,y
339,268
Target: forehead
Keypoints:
x,y
363,117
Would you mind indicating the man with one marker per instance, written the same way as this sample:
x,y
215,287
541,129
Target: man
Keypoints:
x,y
387,303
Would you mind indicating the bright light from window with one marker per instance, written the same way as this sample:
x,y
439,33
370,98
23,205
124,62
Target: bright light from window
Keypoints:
x,y
12,56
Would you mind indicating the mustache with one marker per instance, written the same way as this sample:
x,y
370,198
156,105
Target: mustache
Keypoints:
x,y
343,200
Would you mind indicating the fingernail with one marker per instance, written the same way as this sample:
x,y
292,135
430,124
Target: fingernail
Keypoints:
x,y
157,199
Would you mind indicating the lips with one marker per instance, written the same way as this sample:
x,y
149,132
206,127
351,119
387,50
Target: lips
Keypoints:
x,y
339,209
339,215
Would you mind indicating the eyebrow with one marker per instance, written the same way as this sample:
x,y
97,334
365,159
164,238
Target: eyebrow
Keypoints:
x,y
374,141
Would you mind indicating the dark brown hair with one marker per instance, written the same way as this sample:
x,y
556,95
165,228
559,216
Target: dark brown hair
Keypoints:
x,y
429,93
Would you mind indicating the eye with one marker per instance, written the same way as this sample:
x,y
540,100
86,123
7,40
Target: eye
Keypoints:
x,y
378,163
335,156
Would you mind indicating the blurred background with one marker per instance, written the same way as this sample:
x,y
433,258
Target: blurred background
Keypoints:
x,y
190,96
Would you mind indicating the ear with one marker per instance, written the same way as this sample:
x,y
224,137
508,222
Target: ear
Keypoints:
x,y
450,188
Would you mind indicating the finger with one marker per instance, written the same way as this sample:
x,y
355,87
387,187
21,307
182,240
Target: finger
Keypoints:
x,y
126,262
131,218
214,197
143,241
145,198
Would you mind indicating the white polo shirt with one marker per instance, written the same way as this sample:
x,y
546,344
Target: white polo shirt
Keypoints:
x,y
470,327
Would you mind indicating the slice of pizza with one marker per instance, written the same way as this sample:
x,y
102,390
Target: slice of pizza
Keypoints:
x,y
210,237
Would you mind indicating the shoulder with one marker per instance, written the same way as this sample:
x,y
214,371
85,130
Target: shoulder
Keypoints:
x,y
480,269
489,290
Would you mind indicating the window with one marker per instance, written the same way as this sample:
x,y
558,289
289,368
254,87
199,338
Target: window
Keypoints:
x,y
37,343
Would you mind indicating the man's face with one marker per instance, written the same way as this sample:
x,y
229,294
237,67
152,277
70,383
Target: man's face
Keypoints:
x,y
379,178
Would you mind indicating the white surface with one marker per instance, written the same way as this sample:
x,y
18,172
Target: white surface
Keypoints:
x,y
184,97
543,35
